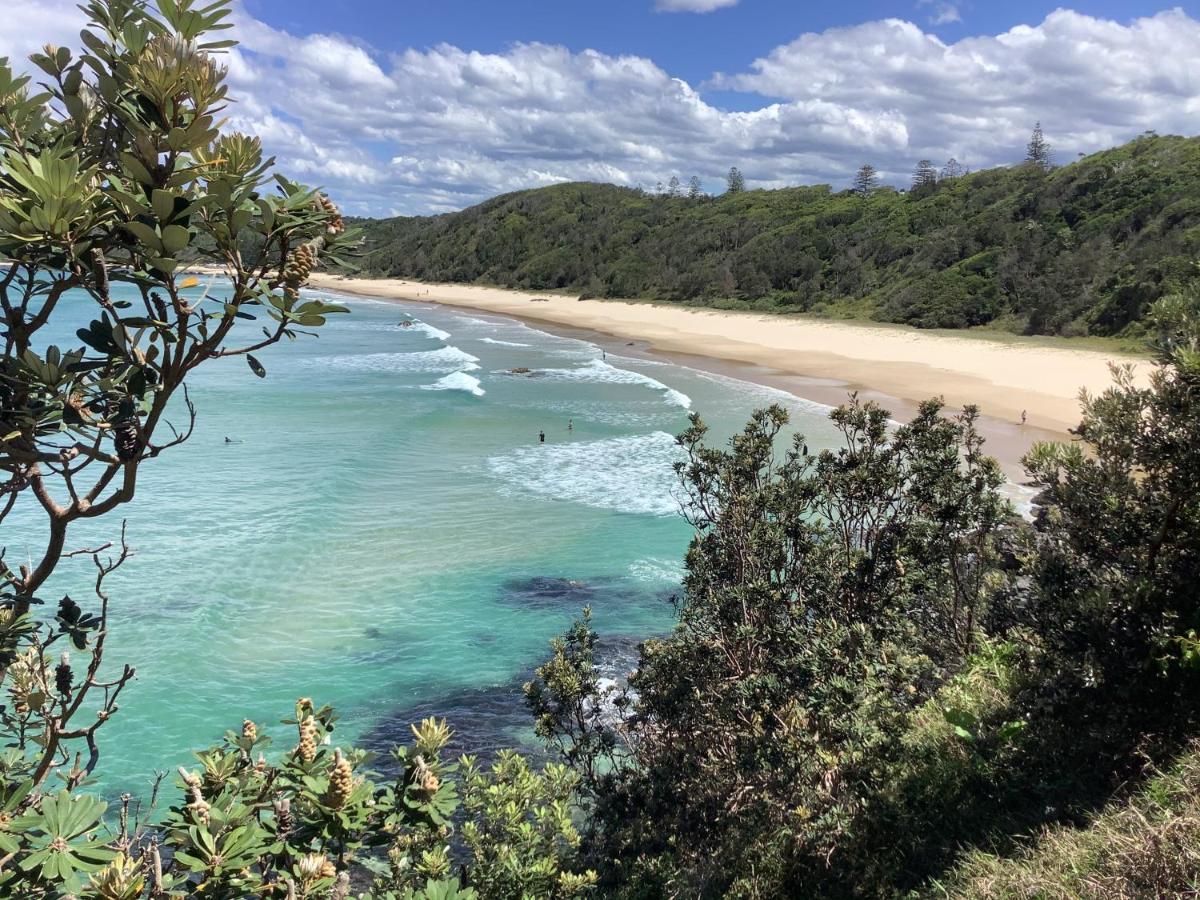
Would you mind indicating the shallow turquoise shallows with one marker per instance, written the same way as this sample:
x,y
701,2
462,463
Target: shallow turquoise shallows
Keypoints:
x,y
385,532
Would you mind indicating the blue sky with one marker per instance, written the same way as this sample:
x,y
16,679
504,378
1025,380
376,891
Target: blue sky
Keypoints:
x,y
404,107
688,45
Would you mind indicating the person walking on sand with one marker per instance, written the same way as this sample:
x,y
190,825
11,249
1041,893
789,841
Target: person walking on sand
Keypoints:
x,y
541,437
1023,416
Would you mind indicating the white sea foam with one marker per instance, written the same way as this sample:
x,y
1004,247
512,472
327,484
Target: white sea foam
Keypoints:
x,y
601,372
444,359
456,381
426,329
656,569
1021,496
488,340
628,474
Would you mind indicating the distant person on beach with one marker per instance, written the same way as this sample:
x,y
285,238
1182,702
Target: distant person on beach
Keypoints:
x,y
570,424
541,437
1023,417
604,354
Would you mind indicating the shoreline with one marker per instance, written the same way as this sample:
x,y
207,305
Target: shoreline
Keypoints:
x,y
815,360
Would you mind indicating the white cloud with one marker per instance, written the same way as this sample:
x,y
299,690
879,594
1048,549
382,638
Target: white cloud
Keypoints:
x,y
29,24
1092,82
443,127
943,13
696,6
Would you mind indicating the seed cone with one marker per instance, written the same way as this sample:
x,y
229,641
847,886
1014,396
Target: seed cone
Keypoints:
x,y
341,782
63,676
307,748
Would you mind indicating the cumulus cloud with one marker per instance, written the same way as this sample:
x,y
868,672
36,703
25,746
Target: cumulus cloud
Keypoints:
x,y
1092,82
442,127
696,6
29,24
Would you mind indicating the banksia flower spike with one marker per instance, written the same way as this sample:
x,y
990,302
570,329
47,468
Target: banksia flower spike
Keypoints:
x,y
336,223
296,270
341,782
306,749
249,731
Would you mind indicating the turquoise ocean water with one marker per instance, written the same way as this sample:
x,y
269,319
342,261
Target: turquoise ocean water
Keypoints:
x,y
387,533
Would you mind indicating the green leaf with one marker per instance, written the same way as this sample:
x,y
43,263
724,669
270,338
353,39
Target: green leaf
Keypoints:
x,y
175,238
256,367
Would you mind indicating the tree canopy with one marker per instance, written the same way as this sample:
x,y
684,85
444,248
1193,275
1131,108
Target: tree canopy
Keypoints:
x,y
1083,249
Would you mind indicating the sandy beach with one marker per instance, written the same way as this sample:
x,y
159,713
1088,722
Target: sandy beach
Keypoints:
x,y
817,359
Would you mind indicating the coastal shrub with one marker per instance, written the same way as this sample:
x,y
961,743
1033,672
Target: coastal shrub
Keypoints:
x,y
1113,583
828,599
107,176
874,668
317,823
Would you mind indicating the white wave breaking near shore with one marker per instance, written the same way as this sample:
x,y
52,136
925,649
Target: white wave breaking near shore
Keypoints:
x,y
443,360
602,372
430,331
456,381
500,343
631,474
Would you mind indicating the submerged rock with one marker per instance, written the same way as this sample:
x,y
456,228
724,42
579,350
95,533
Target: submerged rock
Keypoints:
x,y
490,718
541,592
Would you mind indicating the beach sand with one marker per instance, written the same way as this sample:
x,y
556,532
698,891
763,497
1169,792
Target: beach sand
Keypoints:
x,y
818,360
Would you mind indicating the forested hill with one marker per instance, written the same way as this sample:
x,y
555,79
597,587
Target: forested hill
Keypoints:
x,y
1083,248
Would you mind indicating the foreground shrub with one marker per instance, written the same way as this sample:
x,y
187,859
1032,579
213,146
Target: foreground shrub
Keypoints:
x,y
828,598
308,826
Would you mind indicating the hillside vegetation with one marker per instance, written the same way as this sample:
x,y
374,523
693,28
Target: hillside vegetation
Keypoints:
x,y
1081,249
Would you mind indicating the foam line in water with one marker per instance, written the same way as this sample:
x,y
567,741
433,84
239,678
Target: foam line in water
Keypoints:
x,y
456,381
601,372
631,474
500,343
444,359
426,329
655,569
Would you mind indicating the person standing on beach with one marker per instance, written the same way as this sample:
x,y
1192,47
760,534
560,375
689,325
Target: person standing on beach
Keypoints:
x,y
1023,416
541,437
570,424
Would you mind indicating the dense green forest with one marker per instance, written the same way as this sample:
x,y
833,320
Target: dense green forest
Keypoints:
x,y
1080,249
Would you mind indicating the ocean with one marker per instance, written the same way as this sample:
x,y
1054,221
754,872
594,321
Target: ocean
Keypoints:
x,y
384,531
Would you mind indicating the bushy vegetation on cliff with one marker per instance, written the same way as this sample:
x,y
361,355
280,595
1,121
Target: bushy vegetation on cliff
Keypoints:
x,y
1081,249
881,682
875,668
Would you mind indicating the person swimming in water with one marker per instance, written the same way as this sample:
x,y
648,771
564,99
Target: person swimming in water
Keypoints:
x,y
570,424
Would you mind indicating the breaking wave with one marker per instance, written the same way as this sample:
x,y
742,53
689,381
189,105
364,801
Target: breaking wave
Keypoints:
x,y
456,381
444,359
628,474
601,372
